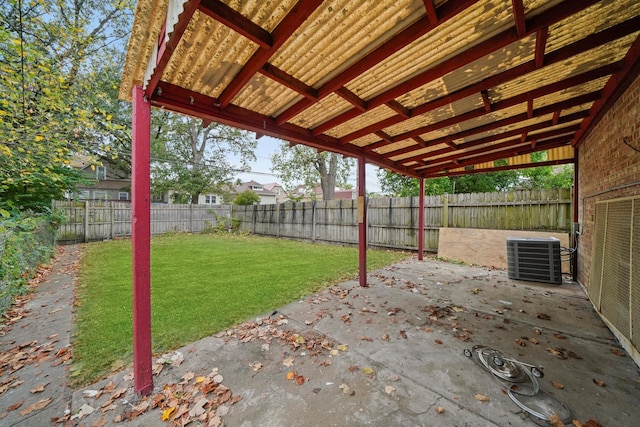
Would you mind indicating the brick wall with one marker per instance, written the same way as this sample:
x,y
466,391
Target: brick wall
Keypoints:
x,y
607,168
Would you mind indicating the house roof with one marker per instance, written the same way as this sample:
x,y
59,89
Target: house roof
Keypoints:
x,y
247,186
422,87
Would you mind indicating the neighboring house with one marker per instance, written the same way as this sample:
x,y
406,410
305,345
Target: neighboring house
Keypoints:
x,y
267,197
107,186
281,194
301,194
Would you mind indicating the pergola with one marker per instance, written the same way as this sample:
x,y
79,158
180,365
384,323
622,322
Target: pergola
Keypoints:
x,y
425,88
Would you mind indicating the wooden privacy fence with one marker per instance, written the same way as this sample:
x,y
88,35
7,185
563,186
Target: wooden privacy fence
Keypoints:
x,y
392,222
89,221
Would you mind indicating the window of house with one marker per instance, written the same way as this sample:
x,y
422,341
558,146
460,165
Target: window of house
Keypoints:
x,y
277,191
256,187
101,172
83,194
123,195
210,199
100,195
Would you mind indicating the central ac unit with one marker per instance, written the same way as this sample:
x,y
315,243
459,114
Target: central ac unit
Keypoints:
x,y
534,259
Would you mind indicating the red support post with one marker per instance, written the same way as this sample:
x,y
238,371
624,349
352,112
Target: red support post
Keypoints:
x,y
362,223
141,242
421,222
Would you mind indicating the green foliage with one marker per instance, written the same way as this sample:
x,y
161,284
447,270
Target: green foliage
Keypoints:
x,y
295,164
531,178
224,225
201,284
403,186
45,79
25,242
247,197
190,159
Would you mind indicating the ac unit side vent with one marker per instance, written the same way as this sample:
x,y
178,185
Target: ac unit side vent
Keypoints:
x,y
536,260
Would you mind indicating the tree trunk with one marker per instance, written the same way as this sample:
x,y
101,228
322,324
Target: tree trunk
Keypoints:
x,y
328,176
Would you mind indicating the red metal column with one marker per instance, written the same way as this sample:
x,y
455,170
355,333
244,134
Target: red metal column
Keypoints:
x,y
141,242
421,222
362,223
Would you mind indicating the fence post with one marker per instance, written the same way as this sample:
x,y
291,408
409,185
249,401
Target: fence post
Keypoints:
x,y
445,210
190,218
278,220
255,217
86,221
313,221
112,219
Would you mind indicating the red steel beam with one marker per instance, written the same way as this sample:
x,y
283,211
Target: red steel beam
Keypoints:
x,y
185,101
432,14
352,98
541,45
555,134
495,43
485,128
594,40
502,168
362,222
298,14
508,151
613,89
510,102
518,16
166,47
413,32
276,74
421,221
141,241
237,22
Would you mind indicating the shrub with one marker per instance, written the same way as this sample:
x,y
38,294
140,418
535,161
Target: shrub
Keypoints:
x,y
25,242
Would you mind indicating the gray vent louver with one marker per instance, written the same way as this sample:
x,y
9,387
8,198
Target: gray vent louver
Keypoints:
x,y
536,260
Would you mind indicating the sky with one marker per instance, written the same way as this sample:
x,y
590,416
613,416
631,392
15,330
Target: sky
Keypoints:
x,y
261,168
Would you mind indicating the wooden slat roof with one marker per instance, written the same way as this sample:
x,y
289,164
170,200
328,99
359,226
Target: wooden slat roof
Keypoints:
x,y
422,87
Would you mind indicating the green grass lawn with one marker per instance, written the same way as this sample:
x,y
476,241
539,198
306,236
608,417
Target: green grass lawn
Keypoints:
x,y
201,284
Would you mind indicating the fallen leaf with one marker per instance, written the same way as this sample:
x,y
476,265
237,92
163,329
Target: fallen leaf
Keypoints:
x,y
200,379
39,388
592,422
166,414
538,332
343,347
533,341
15,405
438,342
100,422
389,389
440,409
198,407
555,421
475,292
118,393
288,362
40,404
366,338
521,342
368,370
617,352
385,337
256,366
559,336
543,316
345,388
403,334
300,379
599,383
557,385
482,398
291,375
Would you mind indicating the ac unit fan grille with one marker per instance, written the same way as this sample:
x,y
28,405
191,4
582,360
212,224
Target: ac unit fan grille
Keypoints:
x,y
536,260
